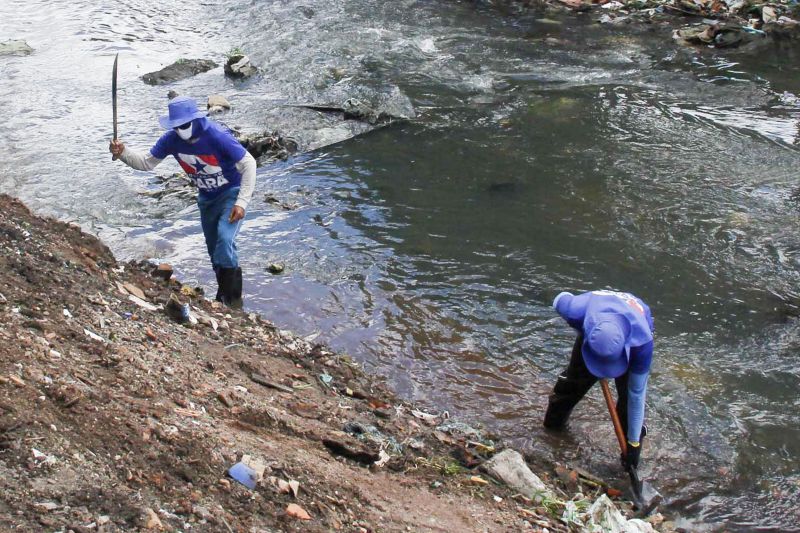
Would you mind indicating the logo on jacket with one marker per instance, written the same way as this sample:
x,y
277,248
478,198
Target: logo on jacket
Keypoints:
x,y
203,169
624,296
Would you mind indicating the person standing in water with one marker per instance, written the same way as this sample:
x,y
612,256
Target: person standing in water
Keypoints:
x,y
615,340
225,175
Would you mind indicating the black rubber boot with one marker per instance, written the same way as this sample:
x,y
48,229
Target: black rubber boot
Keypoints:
x,y
571,386
231,279
217,271
236,289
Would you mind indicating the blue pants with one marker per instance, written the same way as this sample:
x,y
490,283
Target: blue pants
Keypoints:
x,y
219,233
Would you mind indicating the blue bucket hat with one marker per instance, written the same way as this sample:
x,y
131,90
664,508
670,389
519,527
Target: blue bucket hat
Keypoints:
x,y
181,110
606,345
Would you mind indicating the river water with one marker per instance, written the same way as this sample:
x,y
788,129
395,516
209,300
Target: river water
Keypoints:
x,y
545,154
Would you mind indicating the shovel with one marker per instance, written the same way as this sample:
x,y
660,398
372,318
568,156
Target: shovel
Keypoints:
x,y
645,497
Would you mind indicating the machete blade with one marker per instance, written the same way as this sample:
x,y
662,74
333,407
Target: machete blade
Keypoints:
x,y
114,97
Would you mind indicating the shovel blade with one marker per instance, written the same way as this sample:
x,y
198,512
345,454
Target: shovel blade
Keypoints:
x,y
645,497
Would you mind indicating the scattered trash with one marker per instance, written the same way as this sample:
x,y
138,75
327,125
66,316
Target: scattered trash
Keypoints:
x,y
261,380
295,511
94,336
477,480
370,433
326,379
427,417
244,474
383,459
603,515
178,311
481,447
66,313
141,303
42,459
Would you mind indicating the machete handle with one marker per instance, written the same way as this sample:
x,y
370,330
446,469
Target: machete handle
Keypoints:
x,y
612,410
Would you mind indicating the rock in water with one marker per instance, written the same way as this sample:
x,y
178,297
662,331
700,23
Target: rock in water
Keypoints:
x,y
509,467
15,48
217,104
239,66
179,70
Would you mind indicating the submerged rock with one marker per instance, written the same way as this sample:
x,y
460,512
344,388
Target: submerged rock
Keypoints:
x,y
268,146
15,48
239,66
179,70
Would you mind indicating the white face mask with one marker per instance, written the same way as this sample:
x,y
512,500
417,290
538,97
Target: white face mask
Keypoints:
x,y
184,134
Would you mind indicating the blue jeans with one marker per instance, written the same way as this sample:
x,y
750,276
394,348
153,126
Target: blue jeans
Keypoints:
x,y
219,233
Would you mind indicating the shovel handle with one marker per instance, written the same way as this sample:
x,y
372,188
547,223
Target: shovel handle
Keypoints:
x,y
612,410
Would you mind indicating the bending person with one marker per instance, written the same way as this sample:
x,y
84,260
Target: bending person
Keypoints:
x,y
615,340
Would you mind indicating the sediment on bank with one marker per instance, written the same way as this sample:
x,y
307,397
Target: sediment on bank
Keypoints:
x,y
119,411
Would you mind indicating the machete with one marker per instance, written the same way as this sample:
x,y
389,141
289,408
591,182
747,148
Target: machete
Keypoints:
x,y
645,497
114,98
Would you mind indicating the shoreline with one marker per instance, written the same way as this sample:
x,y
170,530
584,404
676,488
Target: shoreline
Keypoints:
x,y
138,418
745,26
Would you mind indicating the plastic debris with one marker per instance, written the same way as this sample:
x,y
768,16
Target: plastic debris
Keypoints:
x,y
384,458
244,474
427,417
94,336
179,312
603,515
141,303
326,379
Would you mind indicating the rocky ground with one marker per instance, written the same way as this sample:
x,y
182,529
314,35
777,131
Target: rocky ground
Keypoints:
x,y
114,416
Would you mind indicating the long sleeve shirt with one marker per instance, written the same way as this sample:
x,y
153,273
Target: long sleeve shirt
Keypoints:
x,y
577,310
215,161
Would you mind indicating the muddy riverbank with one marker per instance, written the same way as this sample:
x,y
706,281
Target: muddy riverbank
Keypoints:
x,y
115,417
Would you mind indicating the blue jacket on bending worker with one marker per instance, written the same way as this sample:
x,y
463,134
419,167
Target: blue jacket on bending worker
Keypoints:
x,y
615,340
